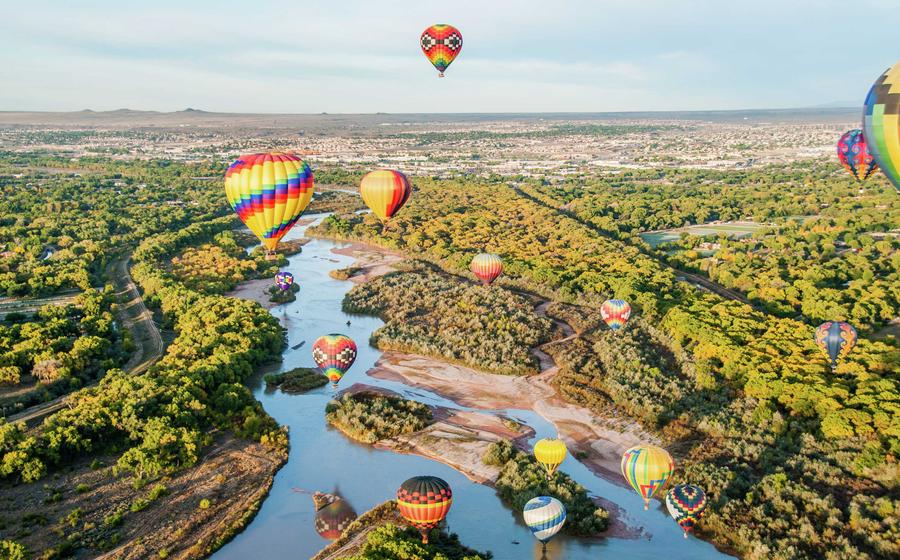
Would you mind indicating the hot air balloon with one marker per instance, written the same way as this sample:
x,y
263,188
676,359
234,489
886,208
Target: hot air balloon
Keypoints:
x,y
550,453
545,516
615,313
486,267
333,518
385,191
854,155
836,339
334,354
284,280
269,192
686,504
881,123
424,502
647,468
441,44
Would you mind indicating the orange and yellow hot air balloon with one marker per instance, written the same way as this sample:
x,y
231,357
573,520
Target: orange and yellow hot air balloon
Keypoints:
x,y
424,502
385,191
486,267
269,192
647,468
550,453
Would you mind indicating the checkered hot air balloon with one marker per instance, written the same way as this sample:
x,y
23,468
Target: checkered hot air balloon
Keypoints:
x,y
385,191
615,313
545,516
854,155
334,354
284,280
441,44
332,519
647,468
269,192
550,453
686,504
424,502
486,267
836,339
881,123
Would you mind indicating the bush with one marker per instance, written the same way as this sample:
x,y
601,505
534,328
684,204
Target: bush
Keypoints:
x,y
369,417
297,380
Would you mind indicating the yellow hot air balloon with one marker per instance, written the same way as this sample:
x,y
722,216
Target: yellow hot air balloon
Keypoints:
x,y
385,191
269,192
647,468
550,453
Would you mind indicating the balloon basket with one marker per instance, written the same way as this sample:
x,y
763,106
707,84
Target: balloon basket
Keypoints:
x,y
440,74
271,256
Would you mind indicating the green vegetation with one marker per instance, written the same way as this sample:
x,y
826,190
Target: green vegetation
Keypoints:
x,y
485,327
369,417
297,380
344,273
277,295
219,266
391,541
799,461
334,201
522,478
11,550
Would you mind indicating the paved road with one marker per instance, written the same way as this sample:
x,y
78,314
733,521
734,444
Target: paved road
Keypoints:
x,y
132,315
10,305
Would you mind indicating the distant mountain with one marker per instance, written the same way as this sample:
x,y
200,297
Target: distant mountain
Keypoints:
x,y
838,105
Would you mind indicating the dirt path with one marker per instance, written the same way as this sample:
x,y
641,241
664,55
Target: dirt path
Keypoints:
x,y
133,315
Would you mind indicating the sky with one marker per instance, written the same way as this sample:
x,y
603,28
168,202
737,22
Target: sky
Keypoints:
x,y
363,56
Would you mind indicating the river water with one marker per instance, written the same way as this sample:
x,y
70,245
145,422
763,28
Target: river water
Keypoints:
x,y
323,459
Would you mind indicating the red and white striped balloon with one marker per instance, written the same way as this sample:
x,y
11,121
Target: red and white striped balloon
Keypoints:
x,y
486,267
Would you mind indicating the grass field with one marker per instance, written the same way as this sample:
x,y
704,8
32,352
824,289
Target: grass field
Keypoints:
x,y
731,229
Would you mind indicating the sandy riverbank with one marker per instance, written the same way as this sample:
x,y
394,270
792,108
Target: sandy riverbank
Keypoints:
x,y
371,262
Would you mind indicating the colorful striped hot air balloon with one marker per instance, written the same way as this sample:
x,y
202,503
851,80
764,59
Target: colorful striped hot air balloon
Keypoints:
x,y
334,354
385,191
269,192
881,123
284,280
550,453
615,313
686,504
836,339
545,516
854,155
424,502
647,468
486,267
441,44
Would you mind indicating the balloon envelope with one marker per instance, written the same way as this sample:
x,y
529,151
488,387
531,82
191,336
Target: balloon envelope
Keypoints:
x,y
615,313
441,44
424,502
269,192
332,519
334,354
385,191
284,280
881,123
647,468
550,453
545,516
854,155
686,503
486,267
836,339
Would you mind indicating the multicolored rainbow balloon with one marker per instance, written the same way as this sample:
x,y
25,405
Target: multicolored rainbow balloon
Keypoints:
x,y
686,504
334,354
424,502
269,192
615,313
836,339
486,267
441,44
647,468
284,280
854,155
881,123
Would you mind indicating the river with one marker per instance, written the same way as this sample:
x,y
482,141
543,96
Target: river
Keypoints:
x,y
322,458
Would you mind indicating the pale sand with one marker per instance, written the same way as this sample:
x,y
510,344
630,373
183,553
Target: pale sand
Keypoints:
x,y
254,290
371,261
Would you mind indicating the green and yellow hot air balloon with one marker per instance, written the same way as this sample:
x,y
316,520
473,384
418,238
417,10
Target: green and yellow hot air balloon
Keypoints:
x,y
647,468
881,123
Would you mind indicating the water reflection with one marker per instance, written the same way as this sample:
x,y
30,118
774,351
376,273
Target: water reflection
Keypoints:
x,y
333,514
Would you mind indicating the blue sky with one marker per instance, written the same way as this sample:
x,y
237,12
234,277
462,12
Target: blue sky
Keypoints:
x,y
347,56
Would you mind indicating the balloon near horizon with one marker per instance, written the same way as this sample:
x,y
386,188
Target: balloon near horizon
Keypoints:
x,y
269,192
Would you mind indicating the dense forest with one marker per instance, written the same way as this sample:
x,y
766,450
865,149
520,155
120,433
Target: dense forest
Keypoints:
x,y
484,327
745,398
